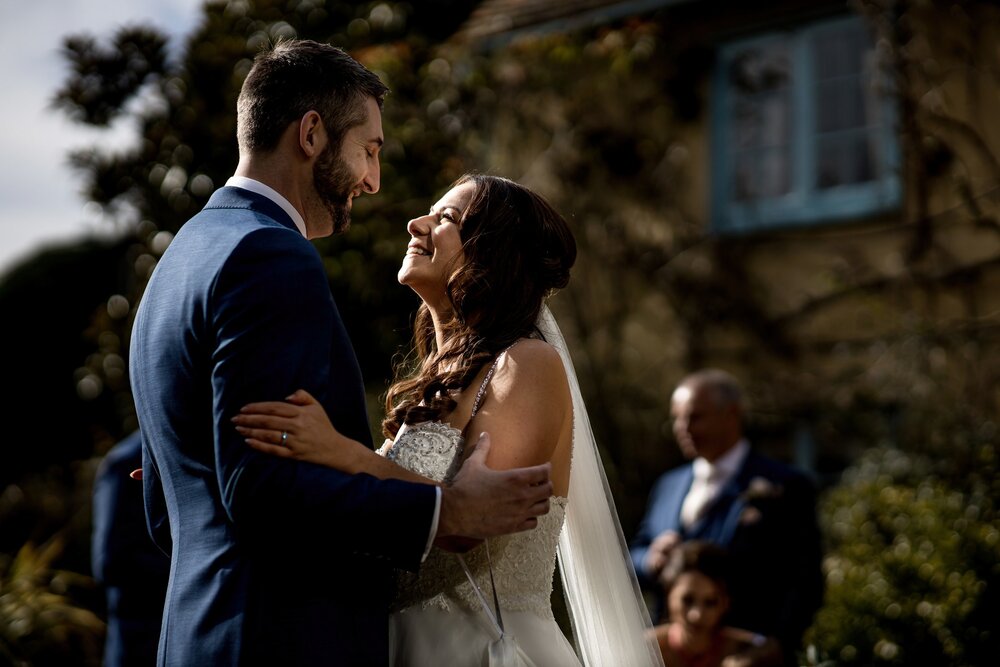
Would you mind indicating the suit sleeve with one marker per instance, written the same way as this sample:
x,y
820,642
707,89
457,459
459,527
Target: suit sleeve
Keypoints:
x,y
273,320
644,535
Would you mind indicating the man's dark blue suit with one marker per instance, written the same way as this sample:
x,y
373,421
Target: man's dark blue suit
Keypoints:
x,y
274,561
766,517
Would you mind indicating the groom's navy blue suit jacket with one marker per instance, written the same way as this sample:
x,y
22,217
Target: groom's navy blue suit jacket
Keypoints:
x,y
274,562
766,517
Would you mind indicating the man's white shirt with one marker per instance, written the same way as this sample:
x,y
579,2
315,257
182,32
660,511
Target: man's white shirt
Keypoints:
x,y
272,194
710,479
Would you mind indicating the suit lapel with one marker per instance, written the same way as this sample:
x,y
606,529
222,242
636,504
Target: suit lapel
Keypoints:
x,y
731,504
674,499
720,522
736,494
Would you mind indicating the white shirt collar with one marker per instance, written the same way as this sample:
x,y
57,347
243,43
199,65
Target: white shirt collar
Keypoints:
x,y
726,465
272,194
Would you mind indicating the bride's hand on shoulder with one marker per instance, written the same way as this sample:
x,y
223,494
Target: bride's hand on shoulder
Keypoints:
x,y
298,428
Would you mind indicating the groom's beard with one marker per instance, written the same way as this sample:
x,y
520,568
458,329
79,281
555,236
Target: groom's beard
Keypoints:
x,y
333,182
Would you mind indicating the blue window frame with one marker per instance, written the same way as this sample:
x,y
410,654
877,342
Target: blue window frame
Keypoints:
x,y
803,129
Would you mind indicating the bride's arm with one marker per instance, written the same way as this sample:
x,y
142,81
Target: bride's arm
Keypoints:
x,y
312,438
528,412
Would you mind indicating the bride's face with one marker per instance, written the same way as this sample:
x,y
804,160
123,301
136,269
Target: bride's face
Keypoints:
x,y
435,248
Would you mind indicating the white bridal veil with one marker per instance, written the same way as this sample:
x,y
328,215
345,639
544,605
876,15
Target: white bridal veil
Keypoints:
x,y
610,620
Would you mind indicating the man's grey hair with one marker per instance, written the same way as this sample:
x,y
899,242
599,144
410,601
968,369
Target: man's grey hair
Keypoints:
x,y
724,387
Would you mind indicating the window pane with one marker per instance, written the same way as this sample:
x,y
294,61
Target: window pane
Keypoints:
x,y
761,174
840,105
839,51
846,158
848,106
760,119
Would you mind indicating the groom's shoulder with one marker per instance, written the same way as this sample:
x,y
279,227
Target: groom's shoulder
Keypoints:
x,y
228,229
238,208
203,245
241,246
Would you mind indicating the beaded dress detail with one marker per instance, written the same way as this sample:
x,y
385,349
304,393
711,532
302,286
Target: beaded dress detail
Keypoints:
x,y
431,449
523,563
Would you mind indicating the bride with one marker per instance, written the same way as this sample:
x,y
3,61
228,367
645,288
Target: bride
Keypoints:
x,y
491,360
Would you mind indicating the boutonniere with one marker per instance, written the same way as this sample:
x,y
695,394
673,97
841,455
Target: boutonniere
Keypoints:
x,y
761,488
750,516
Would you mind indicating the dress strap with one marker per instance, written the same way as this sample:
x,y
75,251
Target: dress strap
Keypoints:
x,y
481,394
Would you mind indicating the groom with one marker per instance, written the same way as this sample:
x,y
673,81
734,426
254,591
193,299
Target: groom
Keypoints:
x,y
278,562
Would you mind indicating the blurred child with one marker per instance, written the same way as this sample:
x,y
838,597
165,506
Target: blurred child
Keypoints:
x,y
695,584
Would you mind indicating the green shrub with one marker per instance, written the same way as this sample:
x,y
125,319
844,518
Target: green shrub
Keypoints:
x,y
913,563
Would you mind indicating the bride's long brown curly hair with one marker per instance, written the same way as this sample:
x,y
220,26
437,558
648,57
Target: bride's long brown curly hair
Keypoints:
x,y
517,250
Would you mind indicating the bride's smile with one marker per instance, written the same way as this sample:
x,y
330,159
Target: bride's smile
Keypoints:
x,y
434,252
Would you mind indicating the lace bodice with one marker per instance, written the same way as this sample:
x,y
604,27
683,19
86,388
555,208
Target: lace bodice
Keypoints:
x,y
431,449
523,563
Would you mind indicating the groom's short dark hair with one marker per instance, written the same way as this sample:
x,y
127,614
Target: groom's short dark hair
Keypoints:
x,y
293,77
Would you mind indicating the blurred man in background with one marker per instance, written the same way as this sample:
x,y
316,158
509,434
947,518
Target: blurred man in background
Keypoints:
x,y
761,510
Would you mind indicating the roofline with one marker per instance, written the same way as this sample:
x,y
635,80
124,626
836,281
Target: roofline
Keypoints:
x,y
590,18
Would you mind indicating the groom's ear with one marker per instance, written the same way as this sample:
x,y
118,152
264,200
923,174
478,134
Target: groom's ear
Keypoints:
x,y
312,134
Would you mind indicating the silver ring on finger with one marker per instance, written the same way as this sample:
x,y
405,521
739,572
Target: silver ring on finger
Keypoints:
x,y
284,438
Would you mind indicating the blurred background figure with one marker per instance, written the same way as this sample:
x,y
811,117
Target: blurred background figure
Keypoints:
x,y
760,510
695,583
132,570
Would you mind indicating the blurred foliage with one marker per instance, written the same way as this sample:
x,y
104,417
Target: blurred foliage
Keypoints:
x,y
609,124
913,537
104,79
913,569
40,622
61,356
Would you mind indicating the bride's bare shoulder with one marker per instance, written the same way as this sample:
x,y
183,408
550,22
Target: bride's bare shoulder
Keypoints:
x,y
532,353
531,366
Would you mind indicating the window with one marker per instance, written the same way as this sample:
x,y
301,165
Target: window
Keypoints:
x,y
803,129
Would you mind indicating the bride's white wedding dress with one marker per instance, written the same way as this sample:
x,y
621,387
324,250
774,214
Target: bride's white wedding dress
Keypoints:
x,y
437,618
